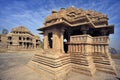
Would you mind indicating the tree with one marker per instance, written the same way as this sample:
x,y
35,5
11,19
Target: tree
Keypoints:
x,y
4,31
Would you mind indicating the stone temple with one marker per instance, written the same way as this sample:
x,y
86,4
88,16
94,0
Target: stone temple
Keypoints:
x,y
74,40
19,39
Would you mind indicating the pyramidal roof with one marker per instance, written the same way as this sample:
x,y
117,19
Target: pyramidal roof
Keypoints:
x,y
20,29
72,14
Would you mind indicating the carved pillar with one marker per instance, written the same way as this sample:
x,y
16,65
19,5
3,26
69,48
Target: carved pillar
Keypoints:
x,y
71,47
102,49
106,49
45,40
76,48
83,48
57,40
95,48
98,48
62,40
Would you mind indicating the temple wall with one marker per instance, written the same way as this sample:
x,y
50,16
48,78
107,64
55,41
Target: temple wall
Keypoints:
x,y
57,39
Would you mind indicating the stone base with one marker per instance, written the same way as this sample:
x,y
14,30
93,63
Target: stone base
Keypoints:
x,y
51,73
86,70
58,66
55,67
105,64
83,64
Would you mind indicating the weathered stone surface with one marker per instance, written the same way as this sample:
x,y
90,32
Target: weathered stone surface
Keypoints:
x,y
75,40
19,39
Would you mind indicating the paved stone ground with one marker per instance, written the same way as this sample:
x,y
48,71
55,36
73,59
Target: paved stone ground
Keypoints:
x,y
13,67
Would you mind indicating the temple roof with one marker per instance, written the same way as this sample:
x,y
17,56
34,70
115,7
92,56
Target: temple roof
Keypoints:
x,y
73,16
20,29
73,13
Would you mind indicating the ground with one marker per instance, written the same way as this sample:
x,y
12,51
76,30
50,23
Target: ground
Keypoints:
x,y
13,67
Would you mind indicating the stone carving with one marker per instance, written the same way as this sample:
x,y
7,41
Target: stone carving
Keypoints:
x,y
72,14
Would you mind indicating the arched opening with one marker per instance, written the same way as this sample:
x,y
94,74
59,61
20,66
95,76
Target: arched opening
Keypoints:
x,y
27,45
20,38
11,43
20,43
9,38
28,38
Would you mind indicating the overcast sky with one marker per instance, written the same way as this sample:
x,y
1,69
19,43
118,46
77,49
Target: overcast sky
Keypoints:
x,y
31,13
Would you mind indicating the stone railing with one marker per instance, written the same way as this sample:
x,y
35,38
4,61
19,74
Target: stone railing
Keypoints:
x,y
81,39
101,39
89,39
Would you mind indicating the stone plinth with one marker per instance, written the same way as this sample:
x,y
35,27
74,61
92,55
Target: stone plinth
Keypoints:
x,y
53,66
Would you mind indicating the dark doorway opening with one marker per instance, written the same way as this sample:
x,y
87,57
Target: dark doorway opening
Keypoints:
x,y
66,40
50,37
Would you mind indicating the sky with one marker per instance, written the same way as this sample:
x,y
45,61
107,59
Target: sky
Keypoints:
x,y
32,13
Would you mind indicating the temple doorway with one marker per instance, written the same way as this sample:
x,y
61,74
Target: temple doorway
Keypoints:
x,y
66,40
50,41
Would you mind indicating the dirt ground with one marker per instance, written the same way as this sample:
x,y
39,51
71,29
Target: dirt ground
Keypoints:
x,y
13,67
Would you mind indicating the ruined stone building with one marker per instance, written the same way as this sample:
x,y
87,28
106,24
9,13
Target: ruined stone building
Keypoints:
x,y
74,40
20,38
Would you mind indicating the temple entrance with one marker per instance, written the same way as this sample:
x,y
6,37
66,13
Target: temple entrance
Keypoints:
x,y
66,40
50,41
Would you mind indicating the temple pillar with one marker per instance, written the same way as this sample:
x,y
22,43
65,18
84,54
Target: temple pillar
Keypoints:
x,y
102,49
82,48
98,48
106,49
62,40
95,48
45,40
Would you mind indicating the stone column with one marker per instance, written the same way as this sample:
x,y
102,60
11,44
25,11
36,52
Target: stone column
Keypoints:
x,y
76,47
45,40
102,49
82,48
61,41
98,48
106,49
71,47
85,46
95,48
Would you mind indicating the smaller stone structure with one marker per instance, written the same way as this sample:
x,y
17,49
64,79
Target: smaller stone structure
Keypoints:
x,y
20,38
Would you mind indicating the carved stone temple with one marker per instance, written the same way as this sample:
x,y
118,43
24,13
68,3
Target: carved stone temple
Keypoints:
x,y
19,39
74,40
